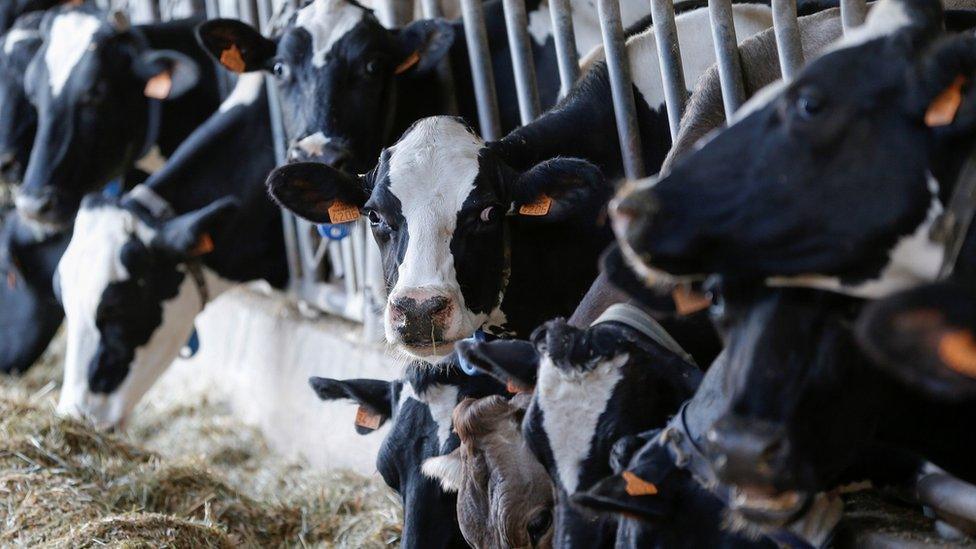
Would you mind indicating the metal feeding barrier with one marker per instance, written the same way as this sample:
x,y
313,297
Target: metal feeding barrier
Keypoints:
x,y
338,270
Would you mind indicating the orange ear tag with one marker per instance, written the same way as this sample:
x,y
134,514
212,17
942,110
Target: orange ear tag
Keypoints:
x,y
232,59
367,419
204,246
159,86
957,350
943,109
514,389
687,301
341,212
637,486
11,280
538,208
407,63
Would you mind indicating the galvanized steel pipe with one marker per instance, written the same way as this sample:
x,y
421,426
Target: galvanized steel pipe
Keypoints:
x,y
669,57
564,37
727,55
787,31
621,85
852,13
520,46
481,72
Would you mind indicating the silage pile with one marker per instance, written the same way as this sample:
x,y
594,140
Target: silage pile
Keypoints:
x,y
185,476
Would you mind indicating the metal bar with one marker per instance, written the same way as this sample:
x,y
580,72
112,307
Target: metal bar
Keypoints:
x,y
431,9
155,13
561,12
621,86
198,7
213,9
669,57
249,12
520,46
787,31
727,55
852,13
479,56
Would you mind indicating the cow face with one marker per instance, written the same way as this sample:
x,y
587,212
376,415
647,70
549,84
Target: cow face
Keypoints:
x,y
129,301
443,210
93,84
18,120
833,180
505,497
337,70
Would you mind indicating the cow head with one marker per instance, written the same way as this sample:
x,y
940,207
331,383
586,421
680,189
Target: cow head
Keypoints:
x,y
337,70
833,180
130,300
443,210
505,496
95,84
18,120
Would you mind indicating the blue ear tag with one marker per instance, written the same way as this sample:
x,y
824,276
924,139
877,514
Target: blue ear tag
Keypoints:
x,y
467,367
336,231
113,189
191,347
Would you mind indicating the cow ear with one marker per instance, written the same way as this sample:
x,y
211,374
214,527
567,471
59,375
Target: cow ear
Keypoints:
x,y
624,493
926,338
189,235
318,193
513,362
374,397
236,45
167,74
424,44
556,188
447,469
946,85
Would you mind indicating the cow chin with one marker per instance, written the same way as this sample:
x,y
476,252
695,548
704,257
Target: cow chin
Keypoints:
x,y
462,324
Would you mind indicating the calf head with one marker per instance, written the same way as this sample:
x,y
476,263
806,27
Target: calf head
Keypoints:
x,y
18,120
505,496
833,180
130,299
444,212
95,84
337,70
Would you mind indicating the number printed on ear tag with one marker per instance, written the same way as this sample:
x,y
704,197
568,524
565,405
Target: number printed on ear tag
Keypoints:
x,y
232,59
341,212
367,419
538,208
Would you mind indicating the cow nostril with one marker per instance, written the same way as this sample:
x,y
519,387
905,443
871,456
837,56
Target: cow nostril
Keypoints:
x,y
436,305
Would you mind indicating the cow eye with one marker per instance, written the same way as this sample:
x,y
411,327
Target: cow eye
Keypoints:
x,y
373,66
489,214
281,71
538,526
809,103
374,218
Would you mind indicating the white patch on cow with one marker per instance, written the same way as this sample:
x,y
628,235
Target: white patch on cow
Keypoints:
x,y
447,469
572,403
70,37
16,36
245,92
914,260
432,172
885,18
540,24
328,21
314,144
440,400
90,263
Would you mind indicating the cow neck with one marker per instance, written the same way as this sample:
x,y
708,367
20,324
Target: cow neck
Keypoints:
x,y
633,317
162,210
489,327
953,225
153,123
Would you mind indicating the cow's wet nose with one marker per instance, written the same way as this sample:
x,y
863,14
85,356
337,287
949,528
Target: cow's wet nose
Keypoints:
x,y
630,210
315,150
38,207
747,452
420,317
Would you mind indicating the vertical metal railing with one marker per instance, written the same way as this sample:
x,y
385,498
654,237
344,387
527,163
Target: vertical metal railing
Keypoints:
x,y
852,13
520,47
621,86
479,55
787,31
727,55
564,38
669,58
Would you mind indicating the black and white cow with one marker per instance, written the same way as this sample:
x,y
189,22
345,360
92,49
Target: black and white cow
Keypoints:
x,y
139,270
12,10
620,376
18,120
350,86
106,94
420,407
467,244
832,181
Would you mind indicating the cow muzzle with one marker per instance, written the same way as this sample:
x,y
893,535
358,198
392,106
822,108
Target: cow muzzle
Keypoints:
x,y
44,208
318,148
747,452
420,321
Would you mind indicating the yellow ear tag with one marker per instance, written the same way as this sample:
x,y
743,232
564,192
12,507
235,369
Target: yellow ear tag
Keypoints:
x,y
944,107
204,246
688,301
407,63
957,349
341,212
637,486
538,208
367,419
159,86
232,59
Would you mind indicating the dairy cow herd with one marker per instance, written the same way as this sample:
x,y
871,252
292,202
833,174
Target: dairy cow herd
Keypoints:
x,y
711,357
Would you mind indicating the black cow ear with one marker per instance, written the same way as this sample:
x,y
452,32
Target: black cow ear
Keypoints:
x,y
374,396
556,188
424,44
624,493
513,362
946,85
236,45
189,235
167,74
318,193
926,338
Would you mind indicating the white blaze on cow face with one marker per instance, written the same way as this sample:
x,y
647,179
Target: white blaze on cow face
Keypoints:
x,y
432,171
572,403
327,21
71,36
90,264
